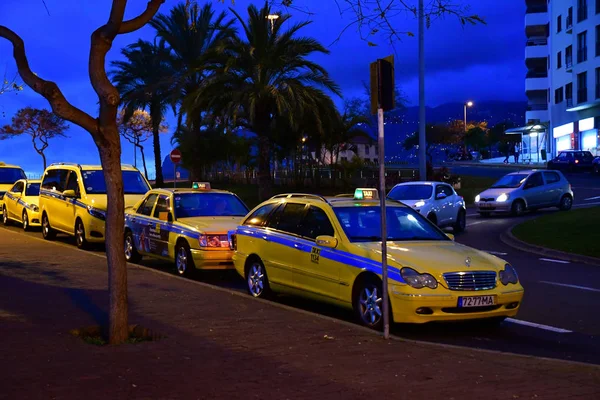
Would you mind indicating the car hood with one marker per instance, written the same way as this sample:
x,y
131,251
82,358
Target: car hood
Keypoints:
x,y
220,225
100,201
495,192
32,200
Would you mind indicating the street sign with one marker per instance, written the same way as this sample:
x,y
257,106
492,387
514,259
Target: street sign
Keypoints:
x,y
175,156
383,85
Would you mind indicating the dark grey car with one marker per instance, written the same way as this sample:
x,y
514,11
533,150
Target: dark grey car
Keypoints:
x,y
526,190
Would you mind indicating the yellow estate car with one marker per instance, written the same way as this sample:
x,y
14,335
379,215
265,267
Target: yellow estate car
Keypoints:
x,y
329,249
187,226
21,204
73,200
9,174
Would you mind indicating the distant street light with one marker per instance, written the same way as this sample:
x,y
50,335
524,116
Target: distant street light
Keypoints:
x,y
467,104
272,18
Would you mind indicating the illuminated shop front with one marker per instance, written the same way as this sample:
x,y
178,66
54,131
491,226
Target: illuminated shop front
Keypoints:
x,y
564,137
589,135
533,142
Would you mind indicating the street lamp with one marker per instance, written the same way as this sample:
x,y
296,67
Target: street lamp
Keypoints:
x,y
272,18
467,104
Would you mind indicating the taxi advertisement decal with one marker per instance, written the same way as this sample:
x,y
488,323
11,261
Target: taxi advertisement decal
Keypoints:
x,y
314,255
154,240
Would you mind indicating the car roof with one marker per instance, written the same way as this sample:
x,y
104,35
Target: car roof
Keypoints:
x,y
30,180
4,165
332,201
419,183
167,191
89,167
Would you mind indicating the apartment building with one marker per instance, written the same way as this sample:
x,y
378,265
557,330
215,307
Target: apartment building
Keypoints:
x,y
562,55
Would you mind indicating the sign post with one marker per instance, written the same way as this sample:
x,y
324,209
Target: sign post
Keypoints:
x,y
383,99
175,157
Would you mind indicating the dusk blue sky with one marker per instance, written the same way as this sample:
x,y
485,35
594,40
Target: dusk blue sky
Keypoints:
x,y
483,62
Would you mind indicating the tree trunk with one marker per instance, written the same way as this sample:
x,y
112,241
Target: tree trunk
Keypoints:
x,y
265,183
144,161
41,153
110,156
157,157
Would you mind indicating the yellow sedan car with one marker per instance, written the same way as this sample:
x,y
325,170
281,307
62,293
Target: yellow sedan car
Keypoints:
x,y
329,249
21,204
187,226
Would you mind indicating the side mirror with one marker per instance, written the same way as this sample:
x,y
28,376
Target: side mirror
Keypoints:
x,y
327,241
440,196
450,236
70,194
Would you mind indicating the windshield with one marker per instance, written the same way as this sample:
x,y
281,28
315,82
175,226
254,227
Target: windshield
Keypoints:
x,y
133,182
411,192
510,181
363,224
189,205
33,189
8,176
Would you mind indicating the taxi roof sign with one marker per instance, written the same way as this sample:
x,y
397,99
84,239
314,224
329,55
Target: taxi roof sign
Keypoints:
x,y
366,194
201,185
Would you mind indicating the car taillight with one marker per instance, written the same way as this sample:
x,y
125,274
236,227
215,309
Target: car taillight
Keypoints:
x,y
576,161
213,241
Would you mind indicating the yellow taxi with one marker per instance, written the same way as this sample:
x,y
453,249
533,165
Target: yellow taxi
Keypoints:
x,y
9,174
187,226
73,200
21,204
329,249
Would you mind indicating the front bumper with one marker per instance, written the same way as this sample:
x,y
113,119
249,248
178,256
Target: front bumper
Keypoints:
x,y
441,304
493,206
35,219
212,259
94,229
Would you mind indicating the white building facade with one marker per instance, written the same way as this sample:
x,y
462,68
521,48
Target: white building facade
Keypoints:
x,y
563,78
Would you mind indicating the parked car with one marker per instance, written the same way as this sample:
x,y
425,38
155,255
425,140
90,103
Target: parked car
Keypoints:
x,y
526,190
572,160
435,200
596,166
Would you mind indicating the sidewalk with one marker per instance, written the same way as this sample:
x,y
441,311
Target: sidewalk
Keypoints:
x,y
225,345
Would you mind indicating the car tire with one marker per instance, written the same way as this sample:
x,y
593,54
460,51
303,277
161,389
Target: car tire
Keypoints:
x,y
80,239
461,221
131,253
518,208
184,263
566,202
5,219
47,232
431,217
257,280
367,303
26,226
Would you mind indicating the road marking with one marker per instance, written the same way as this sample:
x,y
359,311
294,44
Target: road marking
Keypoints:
x,y
571,286
496,253
475,223
472,215
555,261
592,198
586,205
539,326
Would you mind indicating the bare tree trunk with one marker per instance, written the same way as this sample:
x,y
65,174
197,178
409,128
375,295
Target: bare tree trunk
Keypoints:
x,y
157,157
41,153
144,161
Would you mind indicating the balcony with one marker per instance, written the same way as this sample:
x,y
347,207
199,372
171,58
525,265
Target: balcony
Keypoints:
x,y
533,51
582,55
581,95
569,24
537,74
534,84
569,101
540,115
538,18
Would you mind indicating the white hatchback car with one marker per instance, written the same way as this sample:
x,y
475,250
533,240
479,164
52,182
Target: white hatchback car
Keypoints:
x,y
435,200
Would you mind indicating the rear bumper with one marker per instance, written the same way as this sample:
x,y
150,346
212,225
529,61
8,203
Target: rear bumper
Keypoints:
x,y
205,259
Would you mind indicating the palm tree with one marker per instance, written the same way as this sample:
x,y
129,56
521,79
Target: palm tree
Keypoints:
x,y
145,81
267,77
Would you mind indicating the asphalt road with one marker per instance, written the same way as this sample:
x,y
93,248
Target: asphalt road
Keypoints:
x,y
558,318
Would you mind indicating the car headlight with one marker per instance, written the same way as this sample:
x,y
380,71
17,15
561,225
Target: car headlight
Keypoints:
x,y
419,204
210,241
477,198
502,198
508,275
35,208
94,212
417,280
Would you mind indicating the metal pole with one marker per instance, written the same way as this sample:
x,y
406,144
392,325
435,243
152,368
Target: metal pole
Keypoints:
x,y
382,198
422,139
465,117
135,155
174,176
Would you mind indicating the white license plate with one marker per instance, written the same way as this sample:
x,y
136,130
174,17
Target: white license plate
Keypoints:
x,y
485,205
476,301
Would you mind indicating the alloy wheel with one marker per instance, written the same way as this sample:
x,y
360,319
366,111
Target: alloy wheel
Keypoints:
x,y
128,247
25,221
181,261
256,279
370,305
80,234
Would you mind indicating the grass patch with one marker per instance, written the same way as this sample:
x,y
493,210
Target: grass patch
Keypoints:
x,y
96,335
471,186
575,231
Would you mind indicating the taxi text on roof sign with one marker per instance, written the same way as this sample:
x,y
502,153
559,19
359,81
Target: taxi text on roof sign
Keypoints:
x,y
201,185
366,194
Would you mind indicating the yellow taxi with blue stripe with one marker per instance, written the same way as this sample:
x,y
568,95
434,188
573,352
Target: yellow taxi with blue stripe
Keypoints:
x,y
9,174
21,204
329,249
187,226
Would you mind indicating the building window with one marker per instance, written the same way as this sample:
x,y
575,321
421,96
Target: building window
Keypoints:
x,y
559,60
569,57
569,94
597,40
582,13
570,18
558,95
559,23
582,47
582,87
367,149
598,83
597,6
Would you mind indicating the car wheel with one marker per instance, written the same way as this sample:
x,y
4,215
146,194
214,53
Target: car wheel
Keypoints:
x,y
368,303
518,208
461,221
131,253
26,226
257,281
184,263
47,232
5,219
80,240
432,218
566,202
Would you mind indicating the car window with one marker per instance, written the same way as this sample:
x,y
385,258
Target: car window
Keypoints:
x,y
447,190
55,179
33,189
190,205
162,205
147,205
535,180
259,216
17,188
133,182
551,177
562,156
72,183
11,175
510,181
587,156
411,192
288,219
316,223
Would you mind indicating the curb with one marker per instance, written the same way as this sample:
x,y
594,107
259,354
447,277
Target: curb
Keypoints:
x,y
510,240
499,166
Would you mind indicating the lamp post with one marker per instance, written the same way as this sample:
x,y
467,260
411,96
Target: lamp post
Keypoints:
x,y
272,18
467,104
